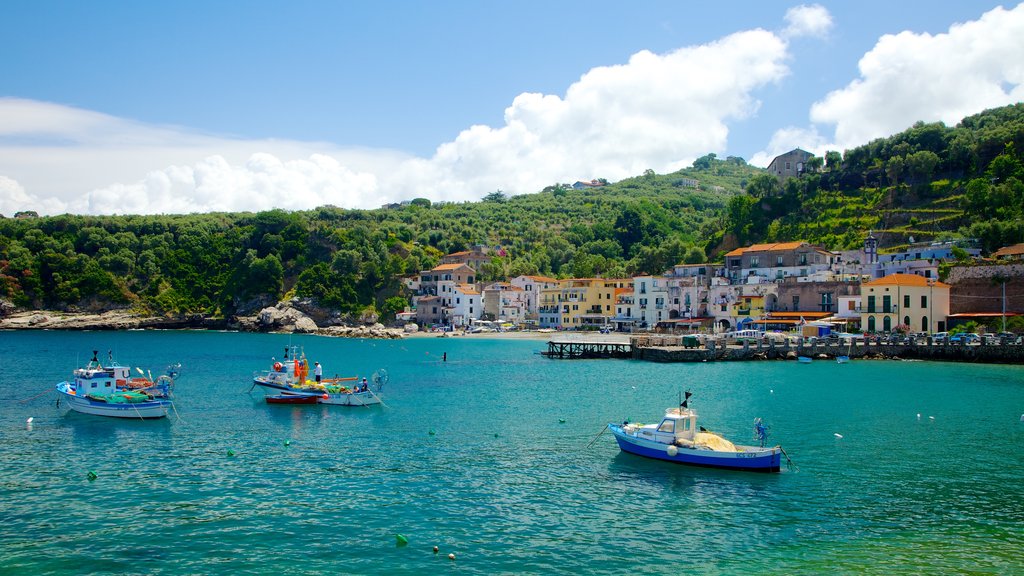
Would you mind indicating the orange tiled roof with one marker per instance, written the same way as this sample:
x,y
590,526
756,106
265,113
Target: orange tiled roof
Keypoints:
x,y
905,280
542,279
775,246
444,267
1015,250
468,289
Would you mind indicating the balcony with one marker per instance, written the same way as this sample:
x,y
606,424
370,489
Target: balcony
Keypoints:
x,y
876,309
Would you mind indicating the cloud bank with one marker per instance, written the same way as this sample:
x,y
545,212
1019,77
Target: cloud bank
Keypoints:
x,y
910,77
657,111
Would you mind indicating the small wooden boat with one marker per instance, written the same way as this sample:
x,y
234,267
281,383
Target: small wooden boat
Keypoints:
x,y
842,359
292,399
804,359
678,439
111,391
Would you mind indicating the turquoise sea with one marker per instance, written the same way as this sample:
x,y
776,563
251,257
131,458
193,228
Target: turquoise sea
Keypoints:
x,y
486,456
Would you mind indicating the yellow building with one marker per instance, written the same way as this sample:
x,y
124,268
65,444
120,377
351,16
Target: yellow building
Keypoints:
x,y
921,304
747,307
580,302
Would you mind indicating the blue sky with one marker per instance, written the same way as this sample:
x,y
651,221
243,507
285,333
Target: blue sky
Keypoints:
x,y
141,107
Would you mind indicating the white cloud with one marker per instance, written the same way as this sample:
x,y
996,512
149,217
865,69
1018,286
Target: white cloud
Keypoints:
x,y
657,111
813,20
909,77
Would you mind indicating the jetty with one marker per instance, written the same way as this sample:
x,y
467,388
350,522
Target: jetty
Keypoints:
x,y
693,348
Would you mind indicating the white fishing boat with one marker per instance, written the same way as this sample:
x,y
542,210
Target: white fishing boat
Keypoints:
x,y
677,438
110,390
290,378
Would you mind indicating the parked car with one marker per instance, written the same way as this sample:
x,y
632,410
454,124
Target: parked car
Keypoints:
x,y
940,337
965,338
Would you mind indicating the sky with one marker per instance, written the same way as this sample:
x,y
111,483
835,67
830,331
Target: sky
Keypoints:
x,y
126,107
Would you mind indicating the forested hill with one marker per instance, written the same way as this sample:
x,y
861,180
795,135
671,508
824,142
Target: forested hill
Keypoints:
x,y
928,182
218,264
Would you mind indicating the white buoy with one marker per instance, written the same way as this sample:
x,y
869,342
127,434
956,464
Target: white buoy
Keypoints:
x,y
838,435
1022,417
30,419
672,450
451,556
772,391
918,415
931,417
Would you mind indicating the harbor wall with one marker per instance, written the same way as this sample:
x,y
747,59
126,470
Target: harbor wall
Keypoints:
x,y
984,353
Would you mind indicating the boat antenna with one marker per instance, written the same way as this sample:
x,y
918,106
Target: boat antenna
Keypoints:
x,y
685,403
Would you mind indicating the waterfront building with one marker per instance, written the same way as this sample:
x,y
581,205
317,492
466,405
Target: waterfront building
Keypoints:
x,y
464,305
921,304
433,298
580,303
504,302
532,286
650,300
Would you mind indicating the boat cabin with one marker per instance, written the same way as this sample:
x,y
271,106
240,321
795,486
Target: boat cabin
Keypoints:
x,y
678,424
100,380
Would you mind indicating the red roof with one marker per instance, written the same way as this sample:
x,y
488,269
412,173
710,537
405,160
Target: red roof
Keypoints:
x,y
906,280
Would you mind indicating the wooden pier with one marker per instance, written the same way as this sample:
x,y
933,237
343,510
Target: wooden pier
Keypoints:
x,y
574,349
668,348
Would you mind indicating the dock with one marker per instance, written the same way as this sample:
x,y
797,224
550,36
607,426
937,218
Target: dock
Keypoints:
x,y
586,348
671,348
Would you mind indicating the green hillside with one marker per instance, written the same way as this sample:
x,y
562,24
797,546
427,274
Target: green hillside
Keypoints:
x,y
928,182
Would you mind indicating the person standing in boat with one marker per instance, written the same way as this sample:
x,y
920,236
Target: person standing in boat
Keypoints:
x,y
318,371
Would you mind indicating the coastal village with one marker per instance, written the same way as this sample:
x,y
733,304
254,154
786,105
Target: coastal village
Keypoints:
x,y
779,286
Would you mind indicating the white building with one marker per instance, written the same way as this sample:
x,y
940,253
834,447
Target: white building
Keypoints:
x,y
532,286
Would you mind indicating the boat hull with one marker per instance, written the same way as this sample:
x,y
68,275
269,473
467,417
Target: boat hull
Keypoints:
x,y
151,409
340,399
291,399
752,459
354,399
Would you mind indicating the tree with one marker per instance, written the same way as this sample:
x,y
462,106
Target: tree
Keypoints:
x,y
763,186
704,162
814,164
922,164
833,160
496,196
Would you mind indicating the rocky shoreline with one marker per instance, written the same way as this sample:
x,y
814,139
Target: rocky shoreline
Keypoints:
x,y
286,317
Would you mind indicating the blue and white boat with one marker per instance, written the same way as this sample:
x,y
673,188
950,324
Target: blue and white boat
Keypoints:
x,y
112,391
677,438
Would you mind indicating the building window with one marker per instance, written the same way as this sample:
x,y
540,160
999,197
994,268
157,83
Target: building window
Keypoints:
x,y
924,301
871,306
755,261
906,301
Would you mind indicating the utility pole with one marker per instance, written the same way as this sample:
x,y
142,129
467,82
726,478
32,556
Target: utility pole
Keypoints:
x,y
1004,305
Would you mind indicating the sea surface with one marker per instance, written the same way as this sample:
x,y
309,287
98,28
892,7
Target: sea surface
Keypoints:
x,y
496,455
